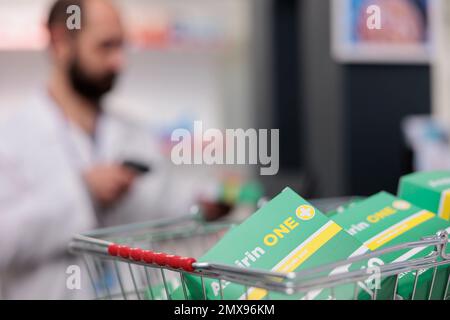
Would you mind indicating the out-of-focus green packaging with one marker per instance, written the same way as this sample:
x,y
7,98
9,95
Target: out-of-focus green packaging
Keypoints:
x,y
287,234
428,190
383,220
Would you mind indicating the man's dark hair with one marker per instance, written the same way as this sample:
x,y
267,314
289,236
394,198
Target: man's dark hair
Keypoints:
x,y
58,12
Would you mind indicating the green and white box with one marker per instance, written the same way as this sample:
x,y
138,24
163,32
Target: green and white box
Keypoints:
x,y
286,235
382,221
428,190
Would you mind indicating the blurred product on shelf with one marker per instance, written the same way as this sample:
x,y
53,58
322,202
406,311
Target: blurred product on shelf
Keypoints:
x,y
428,139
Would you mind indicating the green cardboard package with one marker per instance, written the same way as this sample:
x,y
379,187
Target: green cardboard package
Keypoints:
x,y
287,234
428,190
383,220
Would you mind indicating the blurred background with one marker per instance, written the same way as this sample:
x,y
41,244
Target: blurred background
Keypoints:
x,y
355,109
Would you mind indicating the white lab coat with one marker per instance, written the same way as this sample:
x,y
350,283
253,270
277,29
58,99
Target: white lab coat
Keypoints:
x,y
44,202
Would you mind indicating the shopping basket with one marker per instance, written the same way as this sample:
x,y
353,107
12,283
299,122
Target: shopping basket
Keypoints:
x,y
150,260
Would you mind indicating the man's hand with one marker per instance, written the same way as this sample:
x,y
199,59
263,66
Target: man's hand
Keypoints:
x,y
108,183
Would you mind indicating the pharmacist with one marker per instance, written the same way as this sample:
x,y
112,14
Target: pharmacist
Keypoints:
x,y
61,160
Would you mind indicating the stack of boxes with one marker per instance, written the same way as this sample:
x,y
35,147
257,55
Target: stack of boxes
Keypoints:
x,y
288,235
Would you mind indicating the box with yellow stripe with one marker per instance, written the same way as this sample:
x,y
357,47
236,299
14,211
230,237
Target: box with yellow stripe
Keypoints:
x,y
286,235
383,220
428,190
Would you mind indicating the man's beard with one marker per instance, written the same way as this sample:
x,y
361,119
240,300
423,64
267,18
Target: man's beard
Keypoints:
x,y
90,88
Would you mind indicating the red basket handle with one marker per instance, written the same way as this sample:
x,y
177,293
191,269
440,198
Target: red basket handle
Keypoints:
x,y
151,257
